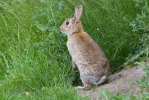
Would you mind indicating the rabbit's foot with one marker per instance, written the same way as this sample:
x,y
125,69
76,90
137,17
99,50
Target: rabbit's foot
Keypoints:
x,y
83,88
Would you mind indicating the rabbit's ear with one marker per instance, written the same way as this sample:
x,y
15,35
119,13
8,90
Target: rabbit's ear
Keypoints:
x,y
78,12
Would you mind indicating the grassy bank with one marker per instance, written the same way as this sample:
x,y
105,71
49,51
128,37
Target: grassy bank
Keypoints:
x,y
34,61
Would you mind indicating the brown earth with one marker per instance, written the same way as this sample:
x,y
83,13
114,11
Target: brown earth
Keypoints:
x,y
119,82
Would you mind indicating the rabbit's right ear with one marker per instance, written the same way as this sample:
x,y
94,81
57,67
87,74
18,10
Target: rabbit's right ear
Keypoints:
x,y
78,12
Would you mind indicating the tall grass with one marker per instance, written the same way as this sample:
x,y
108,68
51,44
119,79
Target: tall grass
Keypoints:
x,y
34,61
107,21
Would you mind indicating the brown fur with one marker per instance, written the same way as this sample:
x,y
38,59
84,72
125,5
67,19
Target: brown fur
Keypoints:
x,y
87,56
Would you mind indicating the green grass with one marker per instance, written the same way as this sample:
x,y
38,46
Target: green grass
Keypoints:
x,y
34,61
107,21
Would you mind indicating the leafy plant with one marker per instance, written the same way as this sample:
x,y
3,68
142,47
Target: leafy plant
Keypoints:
x,y
140,26
144,83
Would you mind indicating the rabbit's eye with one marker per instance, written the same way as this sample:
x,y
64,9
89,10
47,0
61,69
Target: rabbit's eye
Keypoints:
x,y
67,23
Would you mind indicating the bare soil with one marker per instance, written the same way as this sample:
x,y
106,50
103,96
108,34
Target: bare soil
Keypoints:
x,y
119,82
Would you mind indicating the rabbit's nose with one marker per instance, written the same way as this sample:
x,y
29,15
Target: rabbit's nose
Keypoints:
x,y
61,29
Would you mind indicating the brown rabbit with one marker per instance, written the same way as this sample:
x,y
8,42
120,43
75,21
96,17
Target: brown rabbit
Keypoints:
x,y
87,56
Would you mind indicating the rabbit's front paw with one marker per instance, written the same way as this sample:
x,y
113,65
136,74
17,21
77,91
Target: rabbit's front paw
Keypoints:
x,y
74,68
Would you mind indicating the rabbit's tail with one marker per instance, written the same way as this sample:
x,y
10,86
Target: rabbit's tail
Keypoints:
x,y
102,80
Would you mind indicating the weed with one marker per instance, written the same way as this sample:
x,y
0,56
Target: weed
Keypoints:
x,y
140,26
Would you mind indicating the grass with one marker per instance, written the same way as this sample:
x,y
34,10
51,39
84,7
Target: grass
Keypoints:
x,y
34,61
107,21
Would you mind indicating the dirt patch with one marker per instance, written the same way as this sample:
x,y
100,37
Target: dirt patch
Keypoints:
x,y
120,82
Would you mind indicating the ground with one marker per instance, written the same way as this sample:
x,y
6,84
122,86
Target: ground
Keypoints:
x,y
119,82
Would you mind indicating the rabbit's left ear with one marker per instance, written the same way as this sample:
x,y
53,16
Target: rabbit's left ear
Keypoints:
x,y
78,12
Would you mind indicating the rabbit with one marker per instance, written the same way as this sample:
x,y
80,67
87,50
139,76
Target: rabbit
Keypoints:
x,y
86,55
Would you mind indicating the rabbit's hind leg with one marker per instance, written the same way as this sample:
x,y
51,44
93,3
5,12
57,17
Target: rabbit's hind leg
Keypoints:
x,y
86,87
